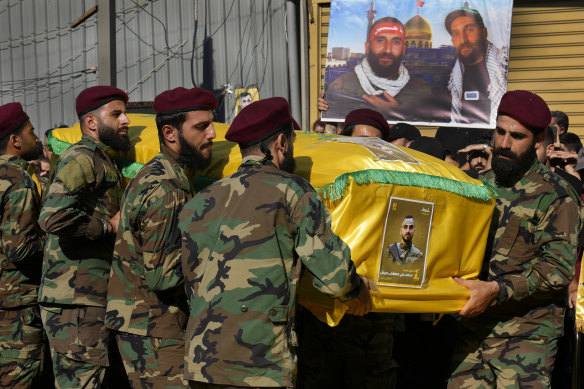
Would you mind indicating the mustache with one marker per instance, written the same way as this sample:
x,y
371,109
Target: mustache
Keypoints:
x,y
500,152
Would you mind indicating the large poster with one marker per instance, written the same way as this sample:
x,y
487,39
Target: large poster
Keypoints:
x,y
433,62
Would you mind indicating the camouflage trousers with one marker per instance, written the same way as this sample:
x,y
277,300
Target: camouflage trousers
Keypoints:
x,y
153,363
355,354
206,385
503,362
21,340
78,340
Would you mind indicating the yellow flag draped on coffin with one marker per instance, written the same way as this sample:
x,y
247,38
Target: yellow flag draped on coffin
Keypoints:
x,y
371,188
580,301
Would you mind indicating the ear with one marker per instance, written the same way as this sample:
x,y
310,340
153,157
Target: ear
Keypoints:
x,y
485,33
549,149
367,47
15,140
91,122
281,142
170,134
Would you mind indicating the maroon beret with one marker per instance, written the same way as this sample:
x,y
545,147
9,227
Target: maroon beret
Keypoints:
x,y
96,96
260,120
368,117
184,100
12,117
527,108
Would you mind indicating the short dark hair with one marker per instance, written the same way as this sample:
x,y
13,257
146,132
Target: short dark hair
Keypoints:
x,y
175,120
457,13
387,19
561,119
318,123
244,93
550,136
571,141
6,137
265,144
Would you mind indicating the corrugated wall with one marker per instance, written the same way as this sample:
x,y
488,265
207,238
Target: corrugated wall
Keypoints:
x,y
44,63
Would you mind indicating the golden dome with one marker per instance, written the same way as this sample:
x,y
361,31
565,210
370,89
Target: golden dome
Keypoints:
x,y
418,28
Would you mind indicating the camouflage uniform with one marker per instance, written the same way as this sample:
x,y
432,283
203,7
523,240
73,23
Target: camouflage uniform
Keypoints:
x,y
398,254
146,297
20,267
534,231
85,191
246,239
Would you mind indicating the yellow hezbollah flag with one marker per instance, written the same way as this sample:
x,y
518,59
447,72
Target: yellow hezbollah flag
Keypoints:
x,y
372,189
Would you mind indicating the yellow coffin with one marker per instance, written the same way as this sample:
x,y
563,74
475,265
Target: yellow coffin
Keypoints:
x,y
369,186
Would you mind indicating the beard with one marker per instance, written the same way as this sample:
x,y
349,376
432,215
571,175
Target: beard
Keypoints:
x,y
34,153
112,138
190,157
478,50
506,171
288,164
381,70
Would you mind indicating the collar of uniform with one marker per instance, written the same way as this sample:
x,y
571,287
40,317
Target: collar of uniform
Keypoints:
x,y
184,174
93,144
170,154
256,160
14,160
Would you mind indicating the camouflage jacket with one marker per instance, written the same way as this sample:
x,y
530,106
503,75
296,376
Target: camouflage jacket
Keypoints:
x,y
146,292
534,233
20,236
85,189
246,239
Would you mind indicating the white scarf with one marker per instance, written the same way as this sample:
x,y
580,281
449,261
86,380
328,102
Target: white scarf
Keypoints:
x,y
374,85
496,68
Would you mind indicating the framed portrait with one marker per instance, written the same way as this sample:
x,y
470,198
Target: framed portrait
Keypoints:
x,y
405,243
422,62
245,96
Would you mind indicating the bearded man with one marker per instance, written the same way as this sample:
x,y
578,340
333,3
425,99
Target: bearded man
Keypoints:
x,y
146,297
80,216
479,77
515,313
380,81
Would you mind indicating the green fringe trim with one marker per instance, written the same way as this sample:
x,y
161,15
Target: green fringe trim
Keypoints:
x,y
128,168
336,190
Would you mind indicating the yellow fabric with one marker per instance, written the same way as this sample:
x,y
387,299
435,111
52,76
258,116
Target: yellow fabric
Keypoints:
x,y
454,233
580,301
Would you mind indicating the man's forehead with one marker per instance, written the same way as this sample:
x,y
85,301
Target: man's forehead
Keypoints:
x,y
463,21
408,221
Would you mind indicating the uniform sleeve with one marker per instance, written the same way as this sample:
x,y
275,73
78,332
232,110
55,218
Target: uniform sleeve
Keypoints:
x,y
323,253
21,238
161,241
62,212
553,268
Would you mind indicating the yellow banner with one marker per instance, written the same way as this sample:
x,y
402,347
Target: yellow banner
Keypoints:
x,y
372,188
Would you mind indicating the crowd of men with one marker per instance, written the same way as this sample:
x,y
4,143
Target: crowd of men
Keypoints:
x,y
199,289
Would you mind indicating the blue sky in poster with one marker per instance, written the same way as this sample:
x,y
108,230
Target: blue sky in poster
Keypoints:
x,y
348,23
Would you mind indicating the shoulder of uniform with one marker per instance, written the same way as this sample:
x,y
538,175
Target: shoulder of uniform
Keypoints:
x,y
553,182
15,174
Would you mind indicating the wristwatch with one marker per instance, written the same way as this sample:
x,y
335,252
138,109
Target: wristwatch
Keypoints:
x,y
104,224
502,296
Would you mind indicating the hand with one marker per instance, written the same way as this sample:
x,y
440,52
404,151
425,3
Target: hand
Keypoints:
x,y
478,147
361,305
322,103
113,222
384,104
573,293
560,157
482,294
